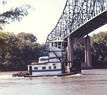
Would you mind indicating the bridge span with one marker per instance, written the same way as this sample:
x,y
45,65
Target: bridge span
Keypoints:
x,y
78,19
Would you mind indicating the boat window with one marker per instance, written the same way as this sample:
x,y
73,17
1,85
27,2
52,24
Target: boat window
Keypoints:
x,y
64,44
54,67
50,68
53,64
55,44
43,68
43,59
59,47
52,44
59,43
35,68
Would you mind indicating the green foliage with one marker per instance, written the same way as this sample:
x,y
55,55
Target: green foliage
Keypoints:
x,y
13,14
79,51
99,38
18,51
99,49
27,36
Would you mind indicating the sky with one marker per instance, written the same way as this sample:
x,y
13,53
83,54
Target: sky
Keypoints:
x,y
41,19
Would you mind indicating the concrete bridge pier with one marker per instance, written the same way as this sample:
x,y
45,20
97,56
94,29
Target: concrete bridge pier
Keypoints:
x,y
70,53
88,59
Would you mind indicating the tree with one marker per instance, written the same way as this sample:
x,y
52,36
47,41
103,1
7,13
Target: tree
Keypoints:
x,y
18,51
13,14
27,36
99,48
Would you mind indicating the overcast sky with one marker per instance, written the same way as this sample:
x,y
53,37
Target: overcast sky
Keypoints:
x,y
41,19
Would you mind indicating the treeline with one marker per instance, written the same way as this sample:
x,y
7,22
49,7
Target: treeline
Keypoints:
x,y
98,50
17,51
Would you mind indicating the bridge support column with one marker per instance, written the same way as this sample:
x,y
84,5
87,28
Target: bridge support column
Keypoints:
x,y
88,59
70,53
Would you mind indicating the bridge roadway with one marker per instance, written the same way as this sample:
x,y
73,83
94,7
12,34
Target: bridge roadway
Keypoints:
x,y
90,25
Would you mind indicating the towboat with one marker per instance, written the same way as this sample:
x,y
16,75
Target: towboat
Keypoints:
x,y
45,69
52,65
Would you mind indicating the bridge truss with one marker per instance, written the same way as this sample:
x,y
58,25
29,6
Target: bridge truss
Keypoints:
x,y
75,14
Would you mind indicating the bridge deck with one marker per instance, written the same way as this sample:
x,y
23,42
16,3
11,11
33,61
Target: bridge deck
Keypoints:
x,y
90,26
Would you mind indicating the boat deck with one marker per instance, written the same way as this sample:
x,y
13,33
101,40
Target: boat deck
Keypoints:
x,y
27,75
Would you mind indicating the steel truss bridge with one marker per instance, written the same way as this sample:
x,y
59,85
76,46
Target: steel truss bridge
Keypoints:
x,y
79,18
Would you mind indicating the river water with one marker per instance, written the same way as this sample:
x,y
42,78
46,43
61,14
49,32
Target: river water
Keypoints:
x,y
90,82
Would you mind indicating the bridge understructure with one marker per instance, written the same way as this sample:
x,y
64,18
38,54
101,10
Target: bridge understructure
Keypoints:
x,y
70,51
78,19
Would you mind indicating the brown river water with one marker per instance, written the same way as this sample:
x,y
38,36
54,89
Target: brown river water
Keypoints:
x,y
90,82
